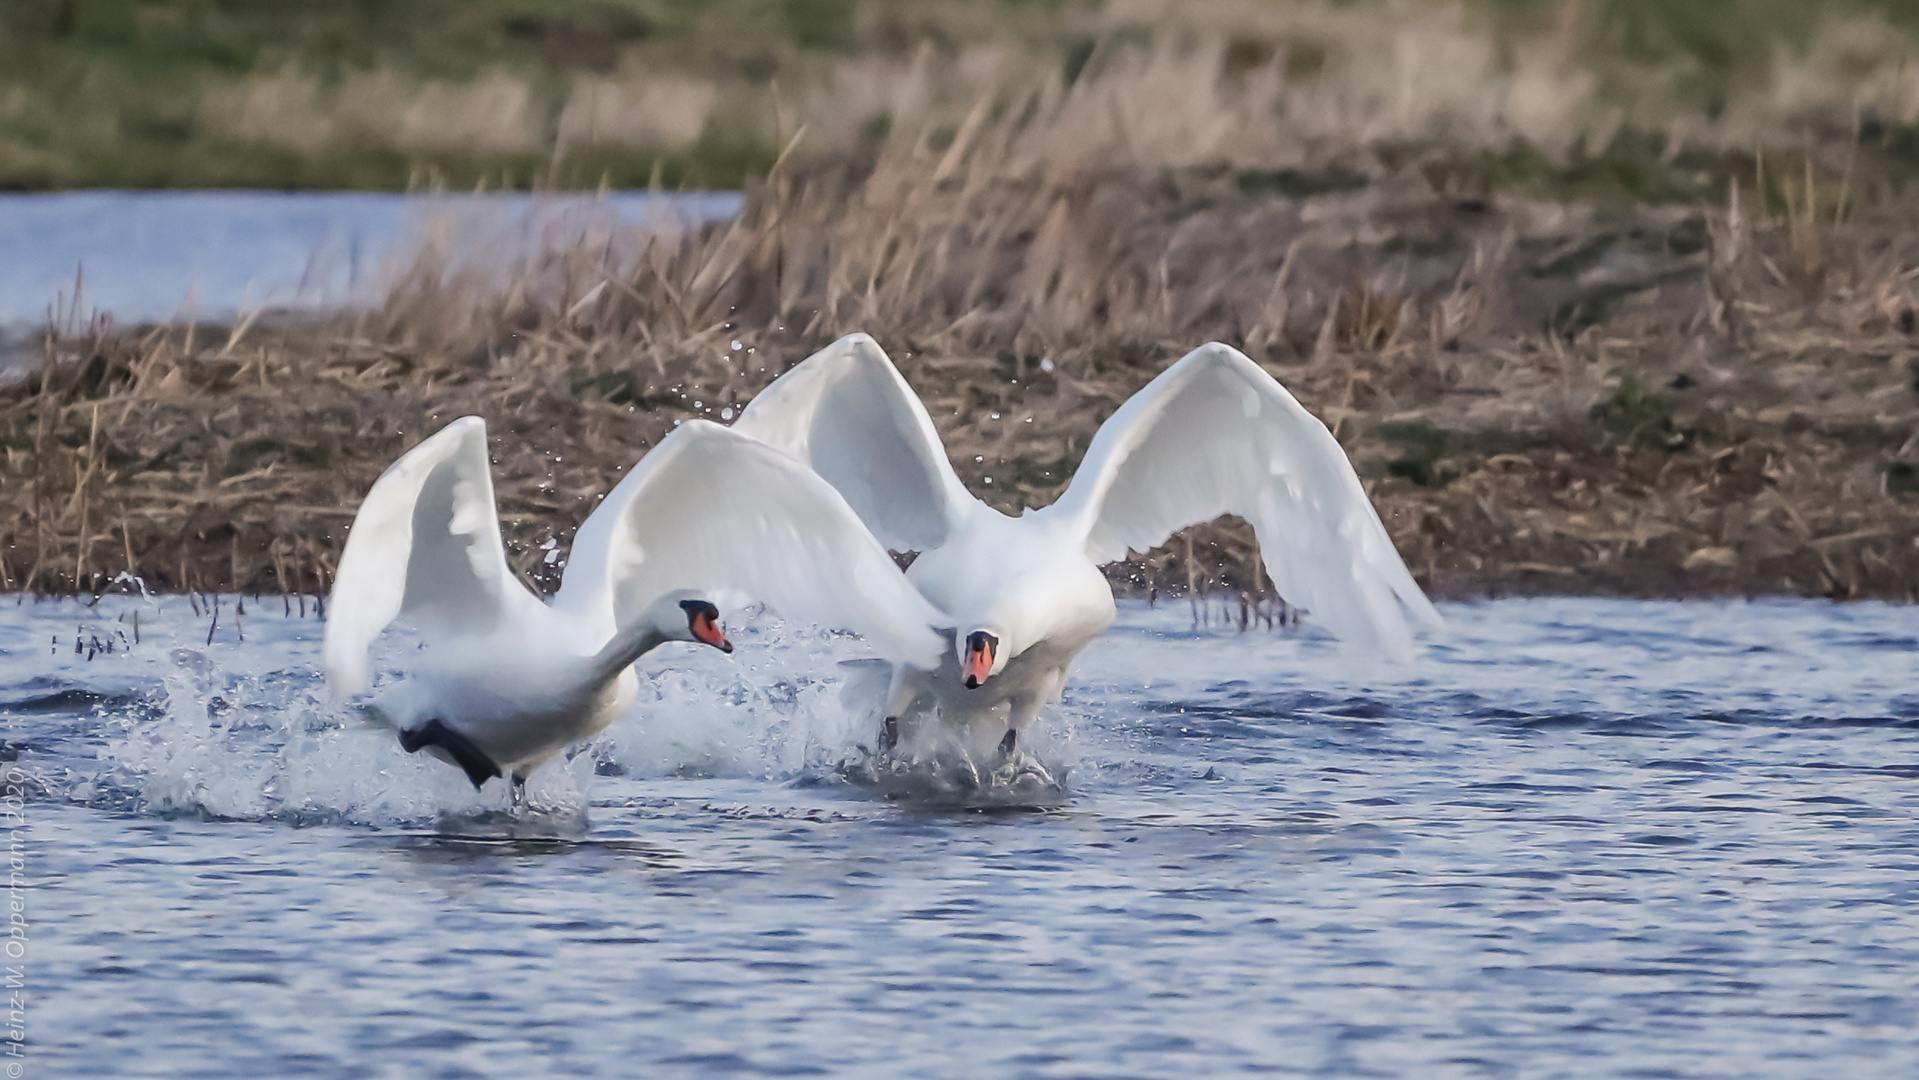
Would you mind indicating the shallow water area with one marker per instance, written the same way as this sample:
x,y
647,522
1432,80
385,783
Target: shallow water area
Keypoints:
x,y
150,256
1575,838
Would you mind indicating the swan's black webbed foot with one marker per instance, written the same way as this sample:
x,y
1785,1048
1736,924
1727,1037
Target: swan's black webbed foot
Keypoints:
x,y
1006,744
478,767
516,797
890,734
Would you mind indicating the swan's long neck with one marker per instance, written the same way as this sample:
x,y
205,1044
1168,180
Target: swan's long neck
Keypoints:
x,y
628,645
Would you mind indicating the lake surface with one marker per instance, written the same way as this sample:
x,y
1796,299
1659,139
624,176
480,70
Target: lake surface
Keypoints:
x,y
150,256
1577,838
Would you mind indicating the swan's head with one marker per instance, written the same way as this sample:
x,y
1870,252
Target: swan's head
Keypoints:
x,y
688,616
980,657
703,624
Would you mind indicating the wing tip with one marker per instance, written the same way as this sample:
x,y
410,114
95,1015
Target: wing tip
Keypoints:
x,y
1221,351
1216,348
697,435
1415,617
466,427
1427,616
698,427
1217,356
345,678
858,345
863,348
924,653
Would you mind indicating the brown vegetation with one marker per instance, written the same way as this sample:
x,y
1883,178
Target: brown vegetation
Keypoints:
x,y
340,93
1547,386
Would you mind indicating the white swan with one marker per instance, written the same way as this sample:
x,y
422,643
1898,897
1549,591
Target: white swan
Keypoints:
x,y
1213,434
503,681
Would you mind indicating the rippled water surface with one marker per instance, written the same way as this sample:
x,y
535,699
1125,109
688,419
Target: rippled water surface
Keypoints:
x,y
1577,838
145,256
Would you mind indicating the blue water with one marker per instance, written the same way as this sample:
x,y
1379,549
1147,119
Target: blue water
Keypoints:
x,y
1577,838
148,256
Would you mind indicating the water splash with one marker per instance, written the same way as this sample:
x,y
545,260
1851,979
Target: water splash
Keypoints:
x,y
232,720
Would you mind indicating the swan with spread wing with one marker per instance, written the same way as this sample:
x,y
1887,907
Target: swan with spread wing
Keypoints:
x,y
1213,434
503,680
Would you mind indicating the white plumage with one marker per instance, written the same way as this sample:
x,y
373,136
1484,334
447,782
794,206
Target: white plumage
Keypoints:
x,y
501,674
1213,434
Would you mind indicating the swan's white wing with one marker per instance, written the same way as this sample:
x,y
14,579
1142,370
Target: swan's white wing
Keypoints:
x,y
717,512
425,544
846,412
1214,434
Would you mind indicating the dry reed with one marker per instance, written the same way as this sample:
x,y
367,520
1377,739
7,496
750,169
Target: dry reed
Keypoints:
x,y
1542,395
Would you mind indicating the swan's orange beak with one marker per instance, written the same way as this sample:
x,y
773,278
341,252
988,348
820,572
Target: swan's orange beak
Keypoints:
x,y
703,619
708,630
980,646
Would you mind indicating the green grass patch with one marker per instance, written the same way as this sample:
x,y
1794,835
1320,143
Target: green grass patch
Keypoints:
x,y
1636,415
1298,183
1631,168
111,92
1421,446
1592,307
1902,480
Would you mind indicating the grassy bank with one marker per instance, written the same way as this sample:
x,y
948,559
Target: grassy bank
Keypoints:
x,y
1560,98
1713,396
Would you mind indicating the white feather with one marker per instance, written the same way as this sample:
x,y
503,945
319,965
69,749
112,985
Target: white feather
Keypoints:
x,y
424,545
707,513
714,511
1214,434
847,414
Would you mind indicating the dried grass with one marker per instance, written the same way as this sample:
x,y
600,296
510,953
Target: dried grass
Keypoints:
x,y
1029,268
1248,84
